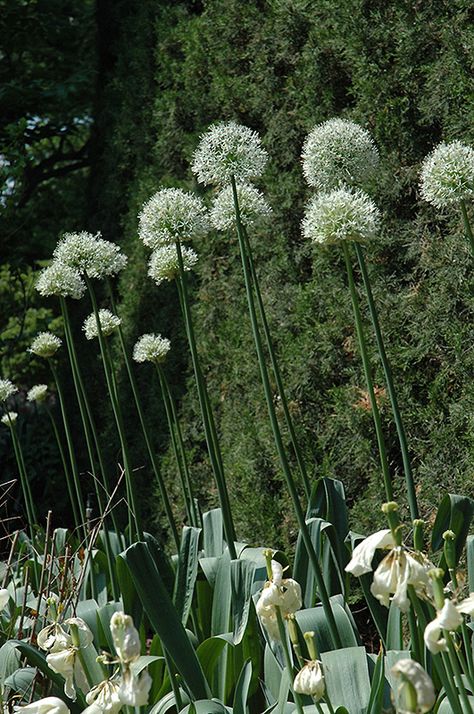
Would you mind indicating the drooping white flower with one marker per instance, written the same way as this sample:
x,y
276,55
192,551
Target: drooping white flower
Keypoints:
x,y
170,215
151,348
9,419
415,693
310,680
395,573
253,207
448,618
125,637
284,593
84,632
7,389
45,345
108,323
163,264
338,152
64,662
4,598
134,691
229,149
363,554
104,698
48,705
37,393
53,638
447,174
90,254
342,214
61,280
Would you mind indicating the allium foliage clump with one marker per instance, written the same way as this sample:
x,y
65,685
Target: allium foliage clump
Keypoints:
x,y
151,348
342,214
170,215
61,280
164,265
108,323
37,393
338,152
7,389
90,254
252,204
447,174
45,345
229,150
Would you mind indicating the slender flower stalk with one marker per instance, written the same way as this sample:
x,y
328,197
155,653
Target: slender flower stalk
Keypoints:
x,y
207,415
288,661
409,480
9,419
467,226
277,435
145,428
368,376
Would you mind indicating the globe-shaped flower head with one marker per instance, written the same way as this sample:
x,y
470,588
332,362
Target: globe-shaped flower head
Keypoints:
x,y
252,204
45,345
164,264
342,214
9,419
229,150
90,255
108,324
7,389
61,280
37,393
338,152
447,174
170,215
151,348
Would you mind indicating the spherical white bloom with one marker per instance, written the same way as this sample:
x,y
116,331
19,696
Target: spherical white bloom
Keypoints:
x,y
45,345
447,174
396,572
4,598
343,214
7,389
53,638
338,152
170,215
125,637
362,555
108,323
134,691
229,150
48,705
310,680
37,393
60,279
164,265
252,204
284,593
413,681
151,348
104,698
9,419
90,254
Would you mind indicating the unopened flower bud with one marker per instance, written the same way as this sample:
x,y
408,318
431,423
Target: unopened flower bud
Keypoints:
x,y
125,636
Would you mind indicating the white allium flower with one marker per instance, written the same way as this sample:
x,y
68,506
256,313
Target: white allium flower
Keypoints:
x,y
37,393
310,680
447,174
229,149
45,344
151,348
108,323
134,691
7,389
9,419
448,618
60,279
170,215
252,203
284,593
125,637
48,705
415,693
64,662
342,214
163,264
363,554
338,152
90,254
4,598
104,697
53,638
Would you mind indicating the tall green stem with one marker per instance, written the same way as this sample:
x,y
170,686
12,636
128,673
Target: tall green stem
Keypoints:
x,y
410,484
112,388
207,416
368,376
145,429
467,226
276,368
288,662
277,436
457,672
67,474
25,486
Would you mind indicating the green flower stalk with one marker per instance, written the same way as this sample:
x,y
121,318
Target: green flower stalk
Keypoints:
x,y
9,419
